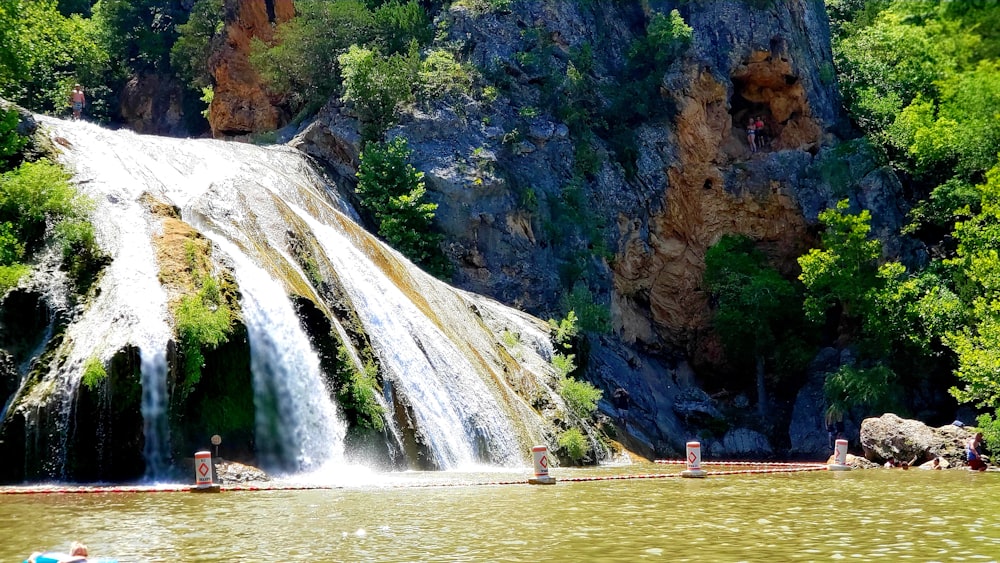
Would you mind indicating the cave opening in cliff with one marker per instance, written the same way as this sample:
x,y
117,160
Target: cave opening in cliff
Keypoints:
x,y
742,109
766,85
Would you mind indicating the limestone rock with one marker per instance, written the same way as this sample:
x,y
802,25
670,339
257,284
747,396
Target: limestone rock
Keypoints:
x,y
231,472
152,104
241,104
903,439
744,441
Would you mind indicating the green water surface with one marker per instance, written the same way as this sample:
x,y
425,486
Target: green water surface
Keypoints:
x,y
871,515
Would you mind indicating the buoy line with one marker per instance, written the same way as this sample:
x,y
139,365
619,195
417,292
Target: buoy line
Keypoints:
x,y
741,463
43,490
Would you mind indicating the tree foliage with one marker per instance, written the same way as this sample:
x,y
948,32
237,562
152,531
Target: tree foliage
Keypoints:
x,y
48,53
394,192
140,33
190,54
844,271
977,343
757,311
302,64
376,85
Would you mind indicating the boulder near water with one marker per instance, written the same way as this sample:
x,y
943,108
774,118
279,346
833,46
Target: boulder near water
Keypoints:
x,y
904,439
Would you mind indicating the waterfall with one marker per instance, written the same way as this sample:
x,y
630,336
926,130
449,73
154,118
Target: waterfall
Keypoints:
x,y
439,349
298,427
156,448
459,415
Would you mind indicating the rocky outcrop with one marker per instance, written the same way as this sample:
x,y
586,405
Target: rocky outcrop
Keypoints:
x,y
241,103
154,104
903,439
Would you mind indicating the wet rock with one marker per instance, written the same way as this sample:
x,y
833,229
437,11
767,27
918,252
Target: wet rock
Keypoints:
x,y
743,441
903,439
152,104
231,472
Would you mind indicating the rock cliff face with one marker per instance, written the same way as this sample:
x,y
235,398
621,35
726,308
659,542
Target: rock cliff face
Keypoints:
x,y
502,176
152,104
241,104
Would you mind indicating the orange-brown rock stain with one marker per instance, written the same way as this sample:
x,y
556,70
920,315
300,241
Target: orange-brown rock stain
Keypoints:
x,y
658,272
241,103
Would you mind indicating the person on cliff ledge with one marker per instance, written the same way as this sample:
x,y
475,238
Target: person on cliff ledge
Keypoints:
x,y
752,134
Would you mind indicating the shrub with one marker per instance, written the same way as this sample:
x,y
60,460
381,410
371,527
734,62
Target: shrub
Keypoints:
x,y
10,142
564,364
203,319
440,75
564,331
398,24
581,397
876,389
81,257
376,85
989,425
33,193
93,373
574,443
593,317
33,196
11,275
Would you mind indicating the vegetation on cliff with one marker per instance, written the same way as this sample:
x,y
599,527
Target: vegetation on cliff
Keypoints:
x,y
922,80
38,204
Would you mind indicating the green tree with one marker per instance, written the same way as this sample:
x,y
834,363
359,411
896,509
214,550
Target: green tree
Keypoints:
x,y
957,133
376,85
51,52
842,272
977,343
393,190
189,55
302,64
139,34
756,309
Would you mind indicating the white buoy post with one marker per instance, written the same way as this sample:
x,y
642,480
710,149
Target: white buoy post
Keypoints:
x,y
839,457
693,461
203,474
540,455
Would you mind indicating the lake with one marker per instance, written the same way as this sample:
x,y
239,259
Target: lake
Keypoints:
x,y
866,515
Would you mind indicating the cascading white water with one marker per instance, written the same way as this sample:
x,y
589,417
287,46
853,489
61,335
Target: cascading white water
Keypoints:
x,y
156,448
446,368
449,398
298,426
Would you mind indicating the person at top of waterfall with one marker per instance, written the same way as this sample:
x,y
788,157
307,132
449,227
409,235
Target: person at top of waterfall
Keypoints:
x,y
78,99
972,453
752,134
77,554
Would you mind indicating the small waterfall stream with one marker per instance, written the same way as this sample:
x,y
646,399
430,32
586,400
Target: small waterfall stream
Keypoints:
x,y
156,448
438,353
298,427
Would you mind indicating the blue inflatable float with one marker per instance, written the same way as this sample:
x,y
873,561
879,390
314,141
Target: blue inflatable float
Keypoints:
x,y
55,557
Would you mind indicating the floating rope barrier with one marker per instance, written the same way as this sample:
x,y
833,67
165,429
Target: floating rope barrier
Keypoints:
x,y
763,468
740,463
